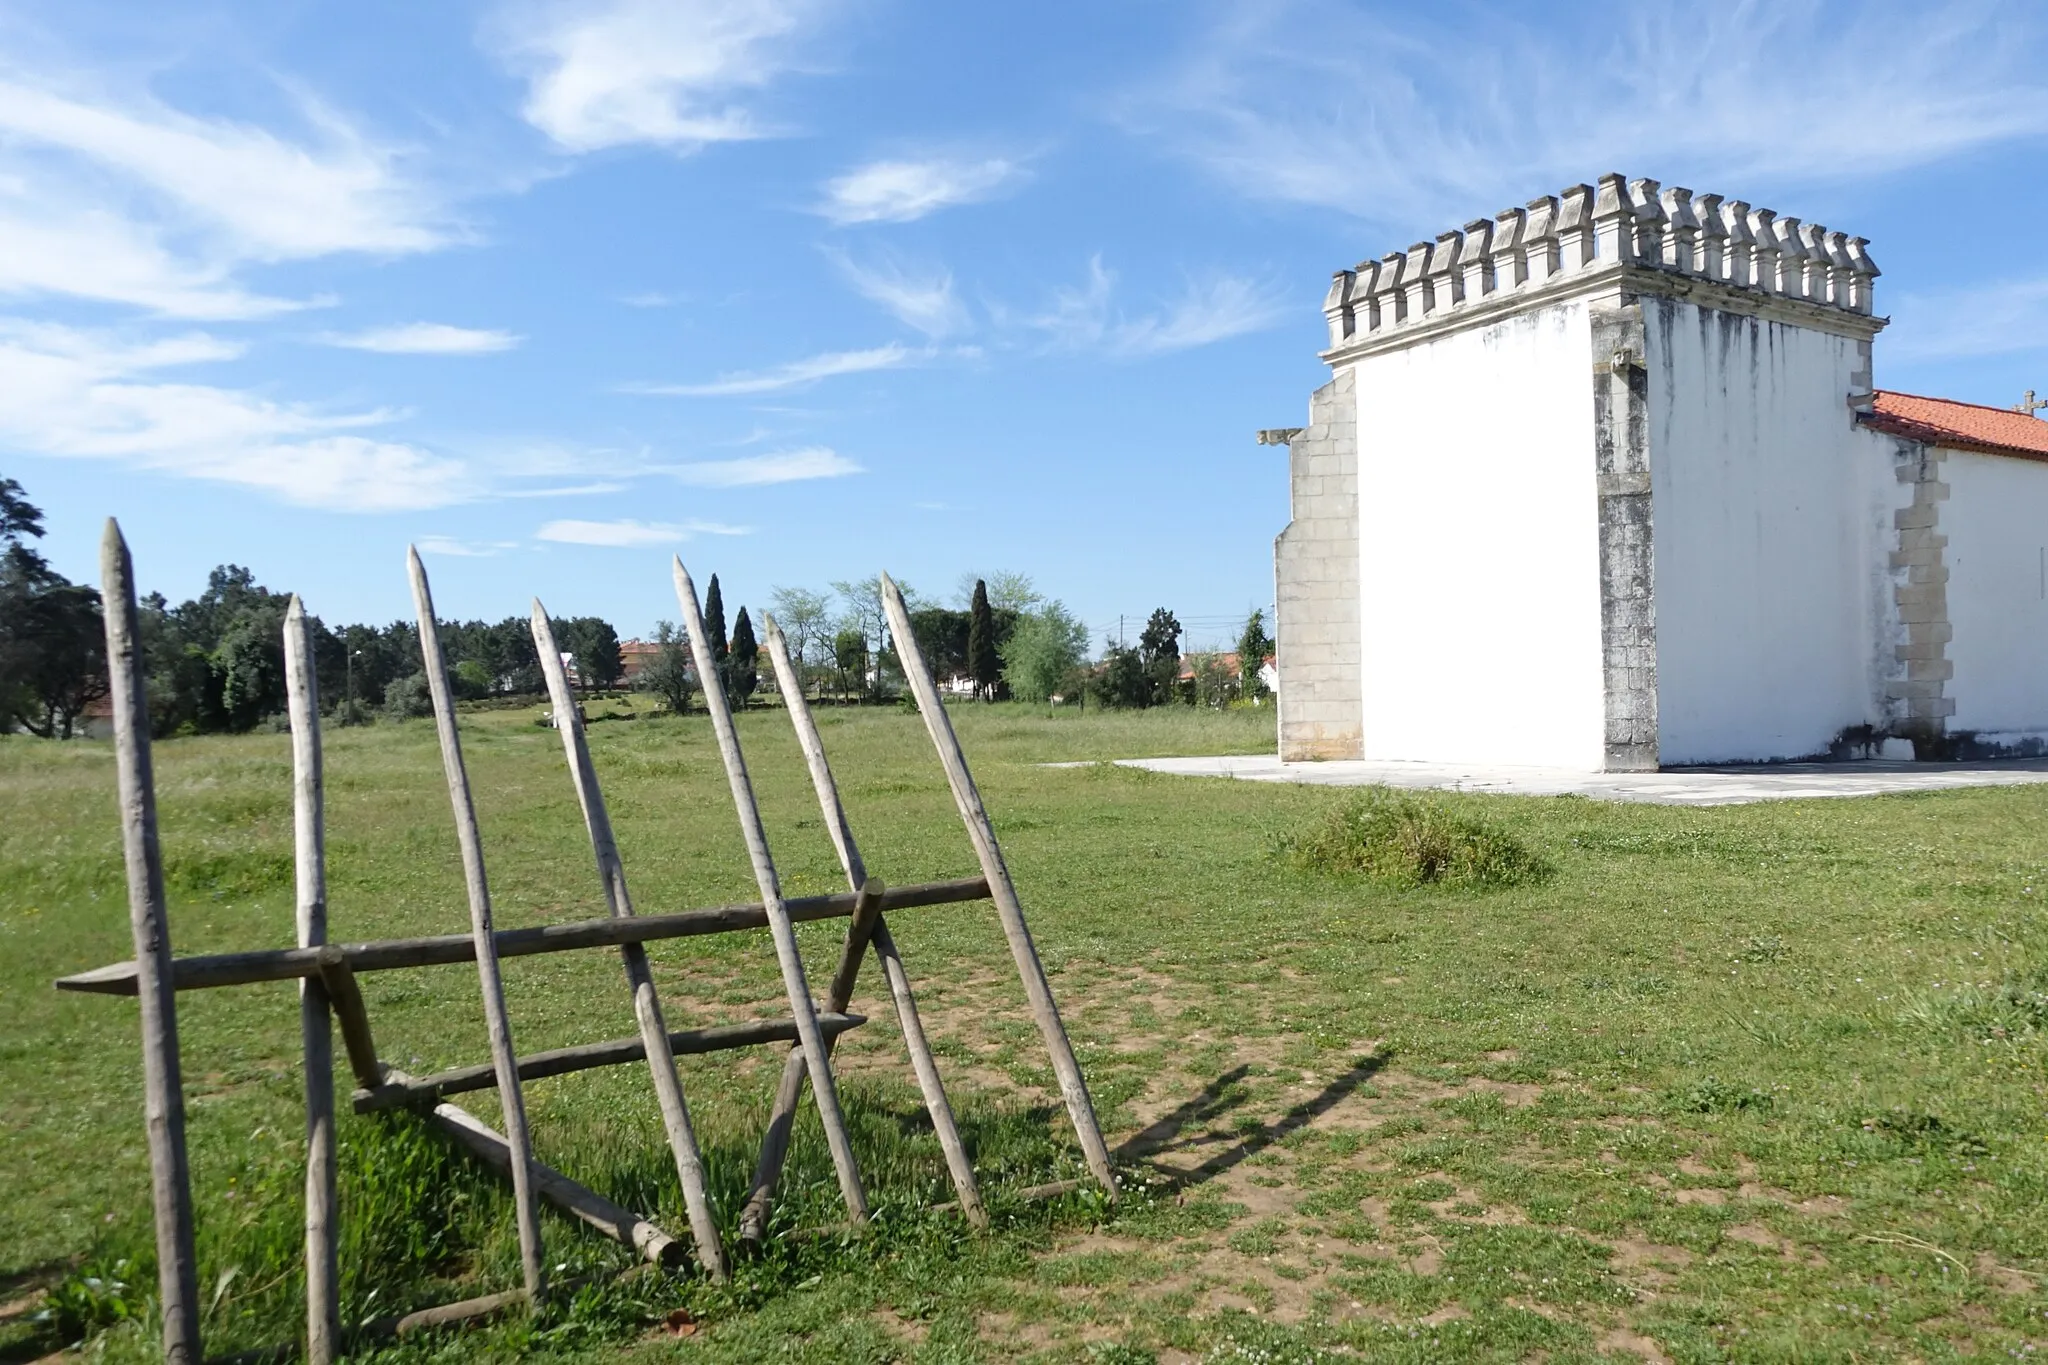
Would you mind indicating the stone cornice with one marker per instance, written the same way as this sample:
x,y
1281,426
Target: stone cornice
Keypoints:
x,y
1614,281
1626,236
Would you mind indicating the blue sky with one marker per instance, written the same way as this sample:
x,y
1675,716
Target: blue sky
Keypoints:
x,y
805,288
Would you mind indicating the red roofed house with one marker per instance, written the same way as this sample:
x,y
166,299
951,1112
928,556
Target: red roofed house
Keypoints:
x,y
1604,482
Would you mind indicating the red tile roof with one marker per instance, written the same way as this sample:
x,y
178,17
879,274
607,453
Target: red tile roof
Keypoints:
x,y
1960,426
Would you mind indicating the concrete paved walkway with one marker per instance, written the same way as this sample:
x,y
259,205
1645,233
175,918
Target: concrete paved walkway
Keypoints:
x,y
1674,787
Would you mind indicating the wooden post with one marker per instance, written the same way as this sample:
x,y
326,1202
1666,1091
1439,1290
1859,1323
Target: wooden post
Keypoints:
x,y
858,938
972,813
801,1006
163,1103
492,986
323,1275
611,872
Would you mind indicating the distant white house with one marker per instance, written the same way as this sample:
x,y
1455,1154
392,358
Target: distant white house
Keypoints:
x,y
1603,482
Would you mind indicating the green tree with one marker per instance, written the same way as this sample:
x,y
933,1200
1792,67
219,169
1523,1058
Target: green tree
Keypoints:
x,y
984,664
714,624
1159,652
805,618
743,665
850,656
1044,652
596,646
1253,645
52,640
1123,680
669,674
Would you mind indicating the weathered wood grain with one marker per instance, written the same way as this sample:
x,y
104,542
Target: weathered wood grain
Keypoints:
x,y
170,1176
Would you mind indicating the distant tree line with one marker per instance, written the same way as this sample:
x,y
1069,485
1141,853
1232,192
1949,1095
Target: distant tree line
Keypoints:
x,y
215,663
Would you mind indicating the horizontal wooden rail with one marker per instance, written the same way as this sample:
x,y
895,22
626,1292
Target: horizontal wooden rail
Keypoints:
x,y
562,1061
383,955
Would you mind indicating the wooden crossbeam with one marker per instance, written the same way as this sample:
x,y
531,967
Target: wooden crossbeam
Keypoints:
x,y
214,970
565,1060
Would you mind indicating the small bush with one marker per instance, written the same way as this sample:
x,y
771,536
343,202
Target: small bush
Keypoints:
x,y
1411,841
1712,1095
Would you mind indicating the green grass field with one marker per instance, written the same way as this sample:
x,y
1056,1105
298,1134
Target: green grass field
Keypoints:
x,y
1746,1083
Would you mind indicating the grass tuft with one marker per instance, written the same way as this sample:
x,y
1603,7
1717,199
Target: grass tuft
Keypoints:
x,y
1411,841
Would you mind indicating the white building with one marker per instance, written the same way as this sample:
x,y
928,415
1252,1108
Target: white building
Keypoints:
x,y
1604,483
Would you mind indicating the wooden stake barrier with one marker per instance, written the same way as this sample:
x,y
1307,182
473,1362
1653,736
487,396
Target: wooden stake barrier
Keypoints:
x,y
323,1274
859,936
163,1087
975,816
823,1090
329,995
611,872
510,1100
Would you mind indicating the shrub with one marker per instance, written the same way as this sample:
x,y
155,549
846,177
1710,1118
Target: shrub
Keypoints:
x,y
409,698
1408,840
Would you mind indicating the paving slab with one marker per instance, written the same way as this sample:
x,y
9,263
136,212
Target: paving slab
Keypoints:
x,y
1708,786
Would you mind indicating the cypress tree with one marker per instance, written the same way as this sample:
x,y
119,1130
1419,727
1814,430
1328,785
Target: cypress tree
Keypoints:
x,y
983,664
714,622
741,667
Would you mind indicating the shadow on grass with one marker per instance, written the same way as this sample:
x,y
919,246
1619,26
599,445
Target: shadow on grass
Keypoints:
x,y
1190,1126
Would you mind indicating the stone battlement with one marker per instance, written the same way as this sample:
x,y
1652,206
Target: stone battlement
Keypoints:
x,y
1588,231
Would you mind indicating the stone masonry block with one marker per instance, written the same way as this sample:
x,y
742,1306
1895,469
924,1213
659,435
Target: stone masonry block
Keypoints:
x,y
1925,650
1922,670
1907,689
1907,518
1937,631
1926,573
1906,559
1922,613
1909,594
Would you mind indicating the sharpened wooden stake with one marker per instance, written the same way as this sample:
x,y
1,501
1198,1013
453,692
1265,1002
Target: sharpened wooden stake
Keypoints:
x,y
859,936
316,1035
170,1178
801,1006
513,1103
1073,1087
611,871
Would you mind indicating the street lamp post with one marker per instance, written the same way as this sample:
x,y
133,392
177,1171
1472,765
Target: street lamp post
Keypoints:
x,y
349,716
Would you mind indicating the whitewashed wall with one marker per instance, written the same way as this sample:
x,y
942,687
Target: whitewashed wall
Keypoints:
x,y
1771,531
1479,546
1996,521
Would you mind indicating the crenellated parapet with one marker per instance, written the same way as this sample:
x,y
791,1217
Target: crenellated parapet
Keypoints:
x,y
1588,232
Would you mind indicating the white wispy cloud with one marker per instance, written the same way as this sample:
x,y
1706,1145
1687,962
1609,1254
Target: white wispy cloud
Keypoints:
x,y
651,299
788,466
921,299
665,72
1458,118
71,392
124,198
628,533
1208,309
426,338
463,549
2005,318
905,190
795,374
